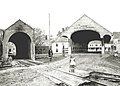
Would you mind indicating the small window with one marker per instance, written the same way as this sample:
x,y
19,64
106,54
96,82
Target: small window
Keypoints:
x,y
10,50
105,48
92,48
56,45
56,50
118,40
114,47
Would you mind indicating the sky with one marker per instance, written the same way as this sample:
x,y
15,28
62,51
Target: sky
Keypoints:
x,y
63,13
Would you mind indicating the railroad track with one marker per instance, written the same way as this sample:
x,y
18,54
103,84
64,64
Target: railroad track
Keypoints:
x,y
25,63
106,78
106,75
93,79
62,78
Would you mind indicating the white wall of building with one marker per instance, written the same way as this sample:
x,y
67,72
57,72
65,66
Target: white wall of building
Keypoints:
x,y
57,47
11,48
108,47
117,44
94,46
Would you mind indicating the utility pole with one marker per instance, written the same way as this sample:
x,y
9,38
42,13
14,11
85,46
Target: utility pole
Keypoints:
x,y
49,32
50,50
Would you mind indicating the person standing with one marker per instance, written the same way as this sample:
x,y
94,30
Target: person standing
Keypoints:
x,y
50,54
72,64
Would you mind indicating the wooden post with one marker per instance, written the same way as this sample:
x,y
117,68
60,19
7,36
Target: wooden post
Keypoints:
x,y
69,47
103,47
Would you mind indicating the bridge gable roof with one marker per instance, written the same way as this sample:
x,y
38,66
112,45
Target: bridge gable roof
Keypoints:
x,y
86,23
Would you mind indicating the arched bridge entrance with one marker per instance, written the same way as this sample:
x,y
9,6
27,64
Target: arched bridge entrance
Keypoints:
x,y
22,42
80,40
18,41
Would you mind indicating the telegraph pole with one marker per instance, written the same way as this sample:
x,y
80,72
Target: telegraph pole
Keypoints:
x,y
50,53
49,32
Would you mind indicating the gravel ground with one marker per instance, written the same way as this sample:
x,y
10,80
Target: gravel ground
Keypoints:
x,y
108,64
29,76
24,77
33,76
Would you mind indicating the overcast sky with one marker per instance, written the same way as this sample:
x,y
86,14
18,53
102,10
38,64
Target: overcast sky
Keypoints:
x,y
63,13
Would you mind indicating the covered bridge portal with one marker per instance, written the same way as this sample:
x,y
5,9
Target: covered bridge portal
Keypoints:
x,y
22,43
83,32
19,41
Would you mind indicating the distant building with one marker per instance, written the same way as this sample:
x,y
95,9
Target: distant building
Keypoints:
x,y
116,41
60,45
95,46
11,49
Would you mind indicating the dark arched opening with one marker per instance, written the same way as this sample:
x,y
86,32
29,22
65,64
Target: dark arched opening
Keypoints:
x,y
80,40
22,42
107,38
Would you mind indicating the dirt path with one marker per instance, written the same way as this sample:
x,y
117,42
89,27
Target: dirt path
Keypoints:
x,y
33,75
29,76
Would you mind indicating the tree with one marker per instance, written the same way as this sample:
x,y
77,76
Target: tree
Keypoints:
x,y
39,37
40,40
